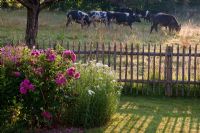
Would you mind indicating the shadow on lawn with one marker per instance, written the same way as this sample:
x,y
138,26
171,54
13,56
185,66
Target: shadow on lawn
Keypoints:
x,y
156,115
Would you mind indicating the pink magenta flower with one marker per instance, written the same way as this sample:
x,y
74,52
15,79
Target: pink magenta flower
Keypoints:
x,y
69,54
23,90
38,71
35,53
25,86
50,55
47,115
60,80
71,71
77,75
16,74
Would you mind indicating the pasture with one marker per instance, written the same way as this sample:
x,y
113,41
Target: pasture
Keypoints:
x,y
52,27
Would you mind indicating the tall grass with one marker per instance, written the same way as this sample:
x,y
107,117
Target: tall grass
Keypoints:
x,y
52,27
98,97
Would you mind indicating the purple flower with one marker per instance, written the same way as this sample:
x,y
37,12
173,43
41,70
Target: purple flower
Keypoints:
x,y
50,55
35,53
25,86
60,80
47,115
23,90
71,71
69,54
16,74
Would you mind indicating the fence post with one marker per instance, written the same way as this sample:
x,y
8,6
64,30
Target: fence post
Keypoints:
x,y
168,77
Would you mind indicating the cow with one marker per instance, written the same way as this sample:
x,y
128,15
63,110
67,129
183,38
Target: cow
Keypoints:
x,y
145,14
78,17
165,20
98,16
124,10
123,18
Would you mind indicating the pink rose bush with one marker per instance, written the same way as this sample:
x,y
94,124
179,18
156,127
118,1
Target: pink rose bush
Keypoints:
x,y
37,80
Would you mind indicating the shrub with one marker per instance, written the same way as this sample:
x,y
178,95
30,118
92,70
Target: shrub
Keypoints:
x,y
98,95
33,85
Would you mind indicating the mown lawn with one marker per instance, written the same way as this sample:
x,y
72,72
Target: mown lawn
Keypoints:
x,y
150,115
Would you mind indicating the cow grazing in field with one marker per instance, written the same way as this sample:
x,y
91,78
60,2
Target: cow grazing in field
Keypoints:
x,y
124,10
98,16
145,14
123,18
165,20
78,17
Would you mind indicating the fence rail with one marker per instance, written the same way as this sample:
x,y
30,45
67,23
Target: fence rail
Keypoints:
x,y
146,69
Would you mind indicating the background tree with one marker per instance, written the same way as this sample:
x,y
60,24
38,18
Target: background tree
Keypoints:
x,y
33,9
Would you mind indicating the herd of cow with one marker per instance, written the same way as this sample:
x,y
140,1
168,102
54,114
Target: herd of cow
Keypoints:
x,y
124,16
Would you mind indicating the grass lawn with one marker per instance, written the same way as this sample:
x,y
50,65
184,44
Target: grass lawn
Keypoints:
x,y
150,115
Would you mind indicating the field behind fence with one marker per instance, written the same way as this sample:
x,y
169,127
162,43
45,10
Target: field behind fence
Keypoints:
x,y
145,69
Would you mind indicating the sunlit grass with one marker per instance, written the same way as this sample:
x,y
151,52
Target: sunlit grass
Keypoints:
x,y
150,115
52,27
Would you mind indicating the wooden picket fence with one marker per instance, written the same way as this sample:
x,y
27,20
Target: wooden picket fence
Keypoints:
x,y
146,69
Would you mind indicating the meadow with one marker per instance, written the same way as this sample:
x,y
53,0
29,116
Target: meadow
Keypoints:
x,y
52,28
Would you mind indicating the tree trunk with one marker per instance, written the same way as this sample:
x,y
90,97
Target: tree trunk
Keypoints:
x,y
32,26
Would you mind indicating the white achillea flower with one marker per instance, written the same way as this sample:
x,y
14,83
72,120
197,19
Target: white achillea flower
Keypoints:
x,y
99,64
90,92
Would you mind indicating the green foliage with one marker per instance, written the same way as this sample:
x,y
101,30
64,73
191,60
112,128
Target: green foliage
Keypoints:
x,y
98,95
33,85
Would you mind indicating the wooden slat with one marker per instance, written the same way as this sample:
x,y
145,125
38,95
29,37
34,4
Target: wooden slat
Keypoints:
x,y
183,71
109,54
189,65
154,64
159,75
90,53
97,52
73,45
68,45
148,73
137,67
120,63
132,68
102,53
79,49
115,56
85,49
126,64
143,70
177,68
195,68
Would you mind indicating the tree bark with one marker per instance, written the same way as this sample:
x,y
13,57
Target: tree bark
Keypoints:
x,y
32,26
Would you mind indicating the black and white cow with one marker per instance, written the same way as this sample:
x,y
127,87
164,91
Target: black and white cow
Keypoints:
x,y
98,16
145,14
166,20
78,17
123,18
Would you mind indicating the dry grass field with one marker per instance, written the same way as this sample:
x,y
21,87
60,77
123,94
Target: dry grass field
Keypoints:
x,y
52,27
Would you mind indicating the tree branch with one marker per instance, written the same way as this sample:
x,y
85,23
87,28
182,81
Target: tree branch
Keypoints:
x,y
25,3
47,3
